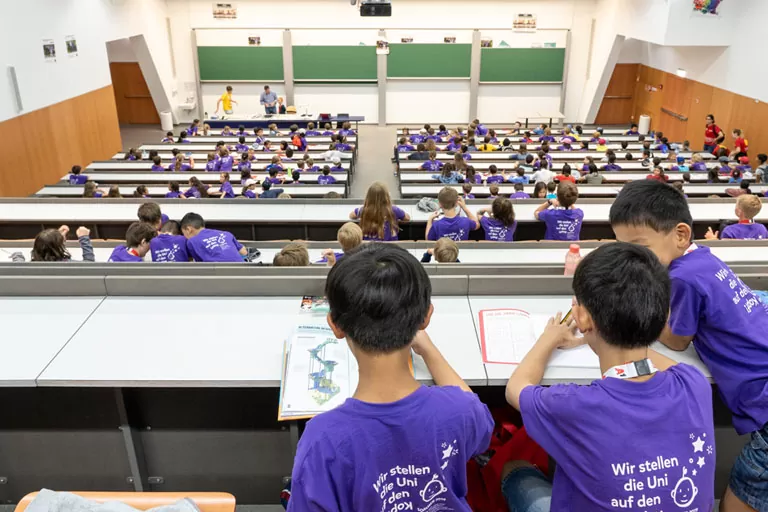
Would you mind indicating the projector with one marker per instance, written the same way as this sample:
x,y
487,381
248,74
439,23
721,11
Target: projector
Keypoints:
x,y
376,8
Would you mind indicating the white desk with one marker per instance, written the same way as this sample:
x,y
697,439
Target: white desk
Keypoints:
x,y
34,330
215,136
508,165
149,177
558,370
556,155
126,165
307,190
238,344
609,189
200,153
455,336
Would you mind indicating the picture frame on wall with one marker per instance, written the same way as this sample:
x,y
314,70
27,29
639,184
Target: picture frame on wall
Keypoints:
x,y
224,11
71,44
49,50
449,40
254,41
382,47
524,23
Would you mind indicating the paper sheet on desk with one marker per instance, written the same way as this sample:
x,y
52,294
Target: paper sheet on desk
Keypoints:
x,y
506,336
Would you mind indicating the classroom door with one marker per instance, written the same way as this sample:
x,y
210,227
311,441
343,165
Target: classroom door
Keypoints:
x,y
618,101
134,102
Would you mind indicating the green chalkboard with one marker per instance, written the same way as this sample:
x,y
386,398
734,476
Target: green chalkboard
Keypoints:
x,y
334,63
429,60
522,64
240,62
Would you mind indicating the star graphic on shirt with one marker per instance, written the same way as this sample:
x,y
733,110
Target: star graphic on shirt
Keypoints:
x,y
691,437
698,445
694,472
709,449
447,452
700,462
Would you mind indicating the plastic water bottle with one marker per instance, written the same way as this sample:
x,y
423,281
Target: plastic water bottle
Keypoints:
x,y
572,259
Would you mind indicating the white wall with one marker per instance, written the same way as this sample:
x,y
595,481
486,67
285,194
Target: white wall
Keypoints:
x,y
23,26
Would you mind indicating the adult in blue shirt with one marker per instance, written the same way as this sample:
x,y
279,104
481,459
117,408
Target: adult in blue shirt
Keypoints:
x,y
269,100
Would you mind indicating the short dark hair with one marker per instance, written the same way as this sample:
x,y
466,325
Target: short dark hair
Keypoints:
x,y
650,203
626,290
150,213
139,231
76,169
266,87
229,88
762,157
379,295
193,220
172,227
567,194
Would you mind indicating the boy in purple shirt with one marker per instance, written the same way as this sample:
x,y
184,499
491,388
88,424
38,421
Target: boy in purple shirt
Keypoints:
x,y
403,145
170,245
432,164
137,240
241,146
611,166
326,178
564,220
713,308
157,165
225,162
359,455
76,178
494,176
452,225
210,244
311,132
225,190
747,208
519,192
648,441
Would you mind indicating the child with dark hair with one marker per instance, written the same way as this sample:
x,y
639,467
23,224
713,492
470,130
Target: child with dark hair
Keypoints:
x,y
169,245
205,244
632,130
75,178
762,169
562,218
137,240
433,164
466,188
452,224
51,245
715,310
174,191
500,225
379,298
552,190
326,178
611,166
540,190
650,419
520,192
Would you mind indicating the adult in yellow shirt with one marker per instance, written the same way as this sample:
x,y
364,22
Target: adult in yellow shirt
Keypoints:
x,y
227,100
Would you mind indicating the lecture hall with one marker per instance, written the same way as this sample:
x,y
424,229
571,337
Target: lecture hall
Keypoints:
x,y
383,255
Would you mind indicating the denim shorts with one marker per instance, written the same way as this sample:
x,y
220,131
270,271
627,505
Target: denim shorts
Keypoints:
x,y
527,489
749,476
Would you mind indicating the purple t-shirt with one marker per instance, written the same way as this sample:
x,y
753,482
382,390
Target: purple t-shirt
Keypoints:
x,y
121,254
432,165
404,147
456,228
169,248
399,214
496,231
610,167
494,178
172,195
214,245
79,179
211,165
520,195
157,168
225,163
728,323
644,446
562,224
183,167
325,180
752,231
406,455
226,187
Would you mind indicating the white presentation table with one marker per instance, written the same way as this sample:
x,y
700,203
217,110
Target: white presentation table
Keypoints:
x,y
558,370
35,330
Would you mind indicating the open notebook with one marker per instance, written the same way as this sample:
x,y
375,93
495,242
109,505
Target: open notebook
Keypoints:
x,y
506,336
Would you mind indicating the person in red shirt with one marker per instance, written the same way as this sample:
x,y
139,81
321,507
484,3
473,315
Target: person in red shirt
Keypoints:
x,y
740,144
566,175
658,175
713,135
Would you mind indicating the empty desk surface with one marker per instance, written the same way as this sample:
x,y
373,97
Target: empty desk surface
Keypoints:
x,y
558,370
34,330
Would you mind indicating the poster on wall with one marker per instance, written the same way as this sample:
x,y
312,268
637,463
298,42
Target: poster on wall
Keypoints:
x,y
406,40
382,47
449,40
486,43
254,41
71,43
224,11
708,7
525,23
49,50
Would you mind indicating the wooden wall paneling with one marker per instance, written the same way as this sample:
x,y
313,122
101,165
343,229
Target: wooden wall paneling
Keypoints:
x,y
722,108
109,126
700,106
14,160
676,98
132,96
618,102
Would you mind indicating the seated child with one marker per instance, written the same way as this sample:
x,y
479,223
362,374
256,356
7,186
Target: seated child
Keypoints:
x,y
292,255
205,244
494,177
241,146
157,165
326,178
51,245
444,251
493,191
168,139
565,176
761,170
137,240
747,207
611,166
433,164
75,178
379,299
697,163
562,218
552,190
650,426
336,167
715,310
520,192
170,245
466,188
225,190
500,225
520,176
296,177
249,187
601,145
632,130
452,224
350,237
173,191
404,146
267,192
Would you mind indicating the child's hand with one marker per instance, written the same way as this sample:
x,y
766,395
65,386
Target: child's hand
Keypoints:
x,y
64,230
711,235
561,335
434,215
460,202
83,231
330,257
421,343
554,202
